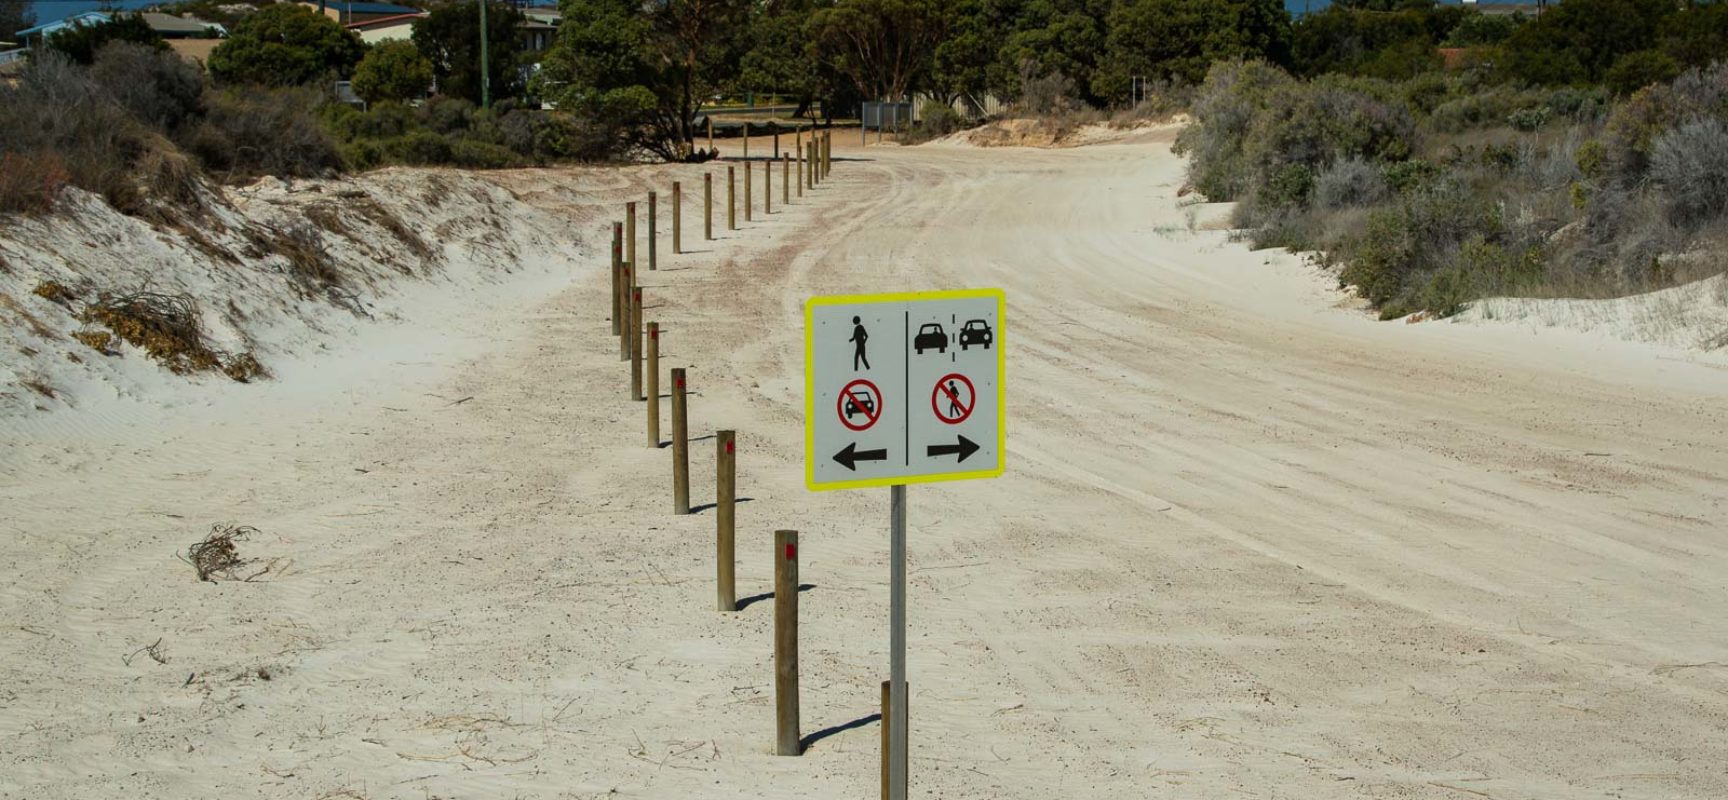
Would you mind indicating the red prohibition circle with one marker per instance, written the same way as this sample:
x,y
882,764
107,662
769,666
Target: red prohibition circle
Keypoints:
x,y
941,391
870,404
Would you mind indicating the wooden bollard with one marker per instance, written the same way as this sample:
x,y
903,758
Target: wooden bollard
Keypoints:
x,y
725,491
800,159
630,234
731,199
747,185
636,343
827,153
767,188
776,141
680,446
887,715
785,179
707,206
617,278
888,723
653,384
710,134
786,643
653,230
628,273
677,218
746,147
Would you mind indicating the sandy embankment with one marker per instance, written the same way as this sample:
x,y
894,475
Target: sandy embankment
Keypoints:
x,y
1250,543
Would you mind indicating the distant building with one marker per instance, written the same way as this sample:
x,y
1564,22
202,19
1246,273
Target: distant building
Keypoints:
x,y
386,29
350,13
167,26
37,35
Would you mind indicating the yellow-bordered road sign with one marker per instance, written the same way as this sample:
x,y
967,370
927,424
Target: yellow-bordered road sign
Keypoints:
x,y
904,388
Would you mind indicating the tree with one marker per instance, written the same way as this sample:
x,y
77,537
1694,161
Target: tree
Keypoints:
x,y
285,44
392,71
884,46
1052,37
1580,40
80,42
15,15
644,68
449,37
777,59
1180,39
968,62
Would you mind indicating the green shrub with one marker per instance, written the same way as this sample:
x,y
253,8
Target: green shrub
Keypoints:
x,y
1410,174
476,154
1349,183
392,71
418,147
1529,119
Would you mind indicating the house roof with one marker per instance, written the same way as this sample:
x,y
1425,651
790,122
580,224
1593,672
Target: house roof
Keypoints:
x,y
386,22
84,18
363,8
168,23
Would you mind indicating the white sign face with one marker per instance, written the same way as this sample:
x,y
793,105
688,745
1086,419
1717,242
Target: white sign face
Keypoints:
x,y
903,388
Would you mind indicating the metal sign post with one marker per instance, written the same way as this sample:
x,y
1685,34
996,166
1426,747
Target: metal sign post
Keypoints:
x,y
899,389
897,746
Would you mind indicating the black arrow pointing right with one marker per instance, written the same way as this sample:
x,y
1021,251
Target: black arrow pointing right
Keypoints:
x,y
965,447
852,455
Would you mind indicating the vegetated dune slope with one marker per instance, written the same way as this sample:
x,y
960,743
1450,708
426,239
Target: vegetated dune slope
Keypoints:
x,y
1250,543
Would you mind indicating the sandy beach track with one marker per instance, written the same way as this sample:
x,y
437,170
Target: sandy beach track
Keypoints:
x,y
1250,543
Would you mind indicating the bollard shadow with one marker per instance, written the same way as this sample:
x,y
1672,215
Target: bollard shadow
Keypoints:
x,y
710,506
804,743
757,598
668,442
672,269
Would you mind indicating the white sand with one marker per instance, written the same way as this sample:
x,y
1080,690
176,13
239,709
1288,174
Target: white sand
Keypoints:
x,y
1250,543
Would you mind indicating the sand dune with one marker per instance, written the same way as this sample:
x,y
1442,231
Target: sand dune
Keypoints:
x,y
1250,543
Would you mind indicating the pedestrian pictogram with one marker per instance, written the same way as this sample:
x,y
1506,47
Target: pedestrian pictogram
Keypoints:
x,y
953,398
859,337
860,405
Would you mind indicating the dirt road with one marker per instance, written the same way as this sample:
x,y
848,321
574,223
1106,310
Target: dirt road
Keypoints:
x,y
1250,542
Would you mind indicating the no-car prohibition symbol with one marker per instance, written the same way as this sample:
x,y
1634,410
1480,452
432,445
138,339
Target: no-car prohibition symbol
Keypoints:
x,y
953,398
860,398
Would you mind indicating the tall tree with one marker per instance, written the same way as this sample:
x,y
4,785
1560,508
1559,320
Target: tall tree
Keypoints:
x,y
1180,39
967,62
884,46
777,59
645,66
15,15
449,37
1053,37
284,44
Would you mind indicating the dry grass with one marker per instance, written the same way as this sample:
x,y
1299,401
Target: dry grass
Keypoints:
x,y
217,555
381,216
168,328
55,292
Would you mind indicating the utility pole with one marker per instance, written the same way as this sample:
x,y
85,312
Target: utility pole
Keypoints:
x,y
485,61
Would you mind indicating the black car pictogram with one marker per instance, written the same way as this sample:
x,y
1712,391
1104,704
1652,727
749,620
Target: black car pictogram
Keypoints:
x,y
930,337
853,408
976,332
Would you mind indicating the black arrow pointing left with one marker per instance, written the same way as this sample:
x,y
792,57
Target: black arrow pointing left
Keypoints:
x,y
964,447
849,457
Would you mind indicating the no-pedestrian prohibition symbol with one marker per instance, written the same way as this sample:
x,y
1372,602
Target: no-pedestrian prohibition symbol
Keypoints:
x,y
953,398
